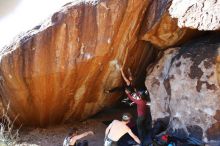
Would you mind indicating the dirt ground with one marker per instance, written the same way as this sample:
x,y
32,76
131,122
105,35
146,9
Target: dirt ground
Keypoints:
x,y
54,136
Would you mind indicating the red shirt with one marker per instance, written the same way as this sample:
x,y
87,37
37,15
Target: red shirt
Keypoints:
x,y
141,105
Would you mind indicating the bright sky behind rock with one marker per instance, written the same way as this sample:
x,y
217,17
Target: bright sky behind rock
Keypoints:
x,y
17,16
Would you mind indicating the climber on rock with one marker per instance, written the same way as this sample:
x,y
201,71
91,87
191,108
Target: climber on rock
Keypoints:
x,y
128,81
73,138
129,85
117,129
144,120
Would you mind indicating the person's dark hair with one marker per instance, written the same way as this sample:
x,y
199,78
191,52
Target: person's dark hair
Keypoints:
x,y
145,95
126,117
71,131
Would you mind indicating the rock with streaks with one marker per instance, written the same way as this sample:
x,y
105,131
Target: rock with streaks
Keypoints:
x,y
59,70
161,29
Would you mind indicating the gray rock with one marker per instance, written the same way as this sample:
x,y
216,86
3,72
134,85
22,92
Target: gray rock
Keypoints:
x,y
184,85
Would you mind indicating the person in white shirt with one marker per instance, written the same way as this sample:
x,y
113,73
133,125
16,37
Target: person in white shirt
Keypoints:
x,y
73,137
117,129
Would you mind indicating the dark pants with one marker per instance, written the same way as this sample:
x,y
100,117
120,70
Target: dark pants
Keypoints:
x,y
83,143
144,129
114,144
141,125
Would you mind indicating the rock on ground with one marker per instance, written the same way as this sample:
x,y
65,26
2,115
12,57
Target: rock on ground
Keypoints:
x,y
184,86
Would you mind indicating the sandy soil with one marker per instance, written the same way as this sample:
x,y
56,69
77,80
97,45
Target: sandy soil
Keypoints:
x,y
54,136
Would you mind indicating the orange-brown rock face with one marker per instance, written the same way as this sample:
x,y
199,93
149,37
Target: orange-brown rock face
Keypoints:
x,y
59,70
161,29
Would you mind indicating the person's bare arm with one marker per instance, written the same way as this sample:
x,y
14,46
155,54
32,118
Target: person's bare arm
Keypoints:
x,y
134,136
131,98
77,137
125,78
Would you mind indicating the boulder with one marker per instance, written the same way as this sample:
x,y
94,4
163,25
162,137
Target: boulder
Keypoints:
x,y
161,29
184,85
197,14
58,71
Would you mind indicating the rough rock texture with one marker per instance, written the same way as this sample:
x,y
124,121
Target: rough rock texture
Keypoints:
x,y
183,85
161,29
59,70
197,14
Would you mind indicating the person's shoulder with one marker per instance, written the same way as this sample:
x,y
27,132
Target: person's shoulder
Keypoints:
x,y
128,129
115,121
